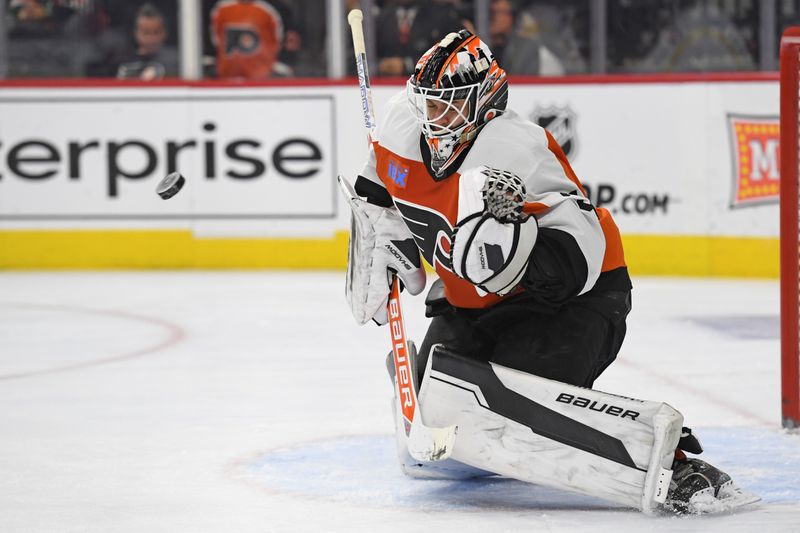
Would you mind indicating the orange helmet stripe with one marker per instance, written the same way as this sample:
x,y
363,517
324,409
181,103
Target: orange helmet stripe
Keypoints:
x,y
453,53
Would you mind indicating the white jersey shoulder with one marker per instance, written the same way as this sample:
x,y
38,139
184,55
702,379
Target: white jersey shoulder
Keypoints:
x,y
509,142
398,132
512,143
516,145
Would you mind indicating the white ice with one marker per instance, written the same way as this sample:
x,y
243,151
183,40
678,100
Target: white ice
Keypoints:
x,y
250,401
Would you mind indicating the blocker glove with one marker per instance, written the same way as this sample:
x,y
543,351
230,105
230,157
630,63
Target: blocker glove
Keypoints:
x,y
493,239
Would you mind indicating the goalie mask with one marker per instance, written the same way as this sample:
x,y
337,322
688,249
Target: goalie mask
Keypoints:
x,y
456,88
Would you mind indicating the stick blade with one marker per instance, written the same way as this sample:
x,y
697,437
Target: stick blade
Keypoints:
x,y
430,444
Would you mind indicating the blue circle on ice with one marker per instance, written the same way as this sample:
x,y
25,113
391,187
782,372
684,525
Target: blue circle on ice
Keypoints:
x,y
364,469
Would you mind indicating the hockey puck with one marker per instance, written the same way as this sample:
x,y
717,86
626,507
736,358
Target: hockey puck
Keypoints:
x,y
170,185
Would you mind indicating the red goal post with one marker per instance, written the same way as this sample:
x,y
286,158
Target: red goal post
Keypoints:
x,y
790,230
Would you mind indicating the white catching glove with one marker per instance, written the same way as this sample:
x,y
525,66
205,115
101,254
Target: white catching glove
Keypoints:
x,y
493,239
380,246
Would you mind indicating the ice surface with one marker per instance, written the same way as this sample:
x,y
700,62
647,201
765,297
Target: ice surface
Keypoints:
x,y
211,401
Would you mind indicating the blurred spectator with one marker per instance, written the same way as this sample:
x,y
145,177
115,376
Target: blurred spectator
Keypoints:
x,y
49,37
465,10
26,11
701,38
125,34
248,36
39,17
302,52
562,26
682,35
406,29
121,14
520,50
150,59
311,19
292,39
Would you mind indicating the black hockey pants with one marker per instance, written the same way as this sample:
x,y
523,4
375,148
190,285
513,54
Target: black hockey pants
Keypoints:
x,y
573,345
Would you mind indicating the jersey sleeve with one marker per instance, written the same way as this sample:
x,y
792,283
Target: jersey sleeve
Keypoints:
x,y
369,170
368,185
568,256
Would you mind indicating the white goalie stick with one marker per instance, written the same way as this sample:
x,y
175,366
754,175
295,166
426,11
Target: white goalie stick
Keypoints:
x,y
424,443
355,19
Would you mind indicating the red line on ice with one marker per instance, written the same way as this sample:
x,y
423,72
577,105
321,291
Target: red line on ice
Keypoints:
x,y
175,335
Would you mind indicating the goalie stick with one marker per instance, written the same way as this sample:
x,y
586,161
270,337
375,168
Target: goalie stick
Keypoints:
x,y
424,443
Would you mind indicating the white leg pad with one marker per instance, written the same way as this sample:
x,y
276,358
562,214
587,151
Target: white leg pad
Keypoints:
x,y
549,433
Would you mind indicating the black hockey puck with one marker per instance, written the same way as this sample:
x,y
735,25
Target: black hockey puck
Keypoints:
x,y
170,185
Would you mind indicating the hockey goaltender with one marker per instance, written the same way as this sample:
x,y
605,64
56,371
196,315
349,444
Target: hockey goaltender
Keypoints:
x,y
530,305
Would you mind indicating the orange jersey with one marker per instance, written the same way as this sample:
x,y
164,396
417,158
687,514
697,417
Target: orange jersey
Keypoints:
x,y
430,207
248,37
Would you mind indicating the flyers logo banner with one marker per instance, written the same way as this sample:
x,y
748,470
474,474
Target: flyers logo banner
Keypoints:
x,y
560,122
755,142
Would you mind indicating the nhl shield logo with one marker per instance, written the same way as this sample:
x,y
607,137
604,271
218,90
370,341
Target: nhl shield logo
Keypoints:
x,y
560,122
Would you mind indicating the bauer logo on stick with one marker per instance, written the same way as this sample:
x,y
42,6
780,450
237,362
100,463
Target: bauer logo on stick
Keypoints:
x,y
170,185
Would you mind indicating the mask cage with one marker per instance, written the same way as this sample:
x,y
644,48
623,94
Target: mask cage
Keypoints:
x,y
460,101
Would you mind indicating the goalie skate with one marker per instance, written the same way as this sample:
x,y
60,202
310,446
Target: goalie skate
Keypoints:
x,y
700,488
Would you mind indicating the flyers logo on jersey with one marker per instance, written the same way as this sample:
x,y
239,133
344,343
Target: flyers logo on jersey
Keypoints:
x,y
397,172
756,159
432,232
242,40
